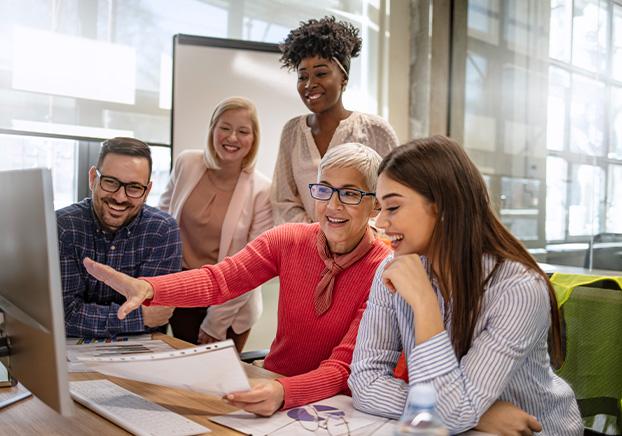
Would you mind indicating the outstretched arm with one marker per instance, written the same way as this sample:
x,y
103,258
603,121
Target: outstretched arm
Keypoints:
x,y
134,290
211,284
88,319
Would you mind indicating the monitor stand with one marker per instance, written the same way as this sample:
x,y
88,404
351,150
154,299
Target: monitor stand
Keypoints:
x,y
13,394
10,390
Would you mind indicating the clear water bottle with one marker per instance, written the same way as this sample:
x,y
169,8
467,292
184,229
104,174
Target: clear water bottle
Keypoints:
x,y
419,416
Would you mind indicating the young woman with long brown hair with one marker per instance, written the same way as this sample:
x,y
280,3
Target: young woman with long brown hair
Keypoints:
x,y
461,297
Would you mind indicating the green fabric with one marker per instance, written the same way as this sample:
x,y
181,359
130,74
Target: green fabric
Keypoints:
x,y
565,283
593,332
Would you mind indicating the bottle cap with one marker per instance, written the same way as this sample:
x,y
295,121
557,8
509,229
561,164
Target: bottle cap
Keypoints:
x,y
422,395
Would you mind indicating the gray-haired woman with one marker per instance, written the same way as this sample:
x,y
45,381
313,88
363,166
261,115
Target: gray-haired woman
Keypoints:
x,y
325,272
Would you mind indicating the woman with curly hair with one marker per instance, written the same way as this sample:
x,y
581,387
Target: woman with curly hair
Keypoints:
x,y
320,51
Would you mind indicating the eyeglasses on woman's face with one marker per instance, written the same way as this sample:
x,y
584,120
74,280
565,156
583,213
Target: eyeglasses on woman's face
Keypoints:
x,y
112,185
350,196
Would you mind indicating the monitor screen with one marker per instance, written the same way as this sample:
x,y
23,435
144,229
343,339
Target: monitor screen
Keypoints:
x,y
30,286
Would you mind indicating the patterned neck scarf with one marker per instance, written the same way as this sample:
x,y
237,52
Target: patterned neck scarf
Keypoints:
x,y
334,264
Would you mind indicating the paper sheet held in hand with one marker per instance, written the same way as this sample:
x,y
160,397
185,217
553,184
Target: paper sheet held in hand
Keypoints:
x,y
210,369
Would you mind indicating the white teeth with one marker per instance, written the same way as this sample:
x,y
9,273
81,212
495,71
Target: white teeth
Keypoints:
x,y
395,238
314,96
117,208
230,147
335,220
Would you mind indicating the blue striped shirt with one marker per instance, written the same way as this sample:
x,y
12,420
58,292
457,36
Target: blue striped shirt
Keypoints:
x,y
508,359
148,246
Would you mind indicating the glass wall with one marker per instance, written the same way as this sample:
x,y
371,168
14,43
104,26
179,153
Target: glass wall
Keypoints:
x,y
30,152
93,69
543,118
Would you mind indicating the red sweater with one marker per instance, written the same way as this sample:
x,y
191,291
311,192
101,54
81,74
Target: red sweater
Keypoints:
x,y
313,353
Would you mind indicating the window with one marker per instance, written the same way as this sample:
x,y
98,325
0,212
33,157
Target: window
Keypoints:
x,y
504,128
74,72
29,152
584,125
543,113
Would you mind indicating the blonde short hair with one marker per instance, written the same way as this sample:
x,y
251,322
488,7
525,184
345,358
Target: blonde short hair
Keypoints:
x,y
353,155
211,157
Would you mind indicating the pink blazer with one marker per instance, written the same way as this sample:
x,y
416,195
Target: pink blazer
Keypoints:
x,y
249,214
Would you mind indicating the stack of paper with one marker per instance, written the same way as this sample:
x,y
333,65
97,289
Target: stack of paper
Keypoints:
x,y
210,369
77,349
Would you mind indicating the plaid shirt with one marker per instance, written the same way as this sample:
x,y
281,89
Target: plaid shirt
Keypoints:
x,y
148,246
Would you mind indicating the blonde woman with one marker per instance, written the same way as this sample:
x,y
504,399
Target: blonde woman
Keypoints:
x,y
221,203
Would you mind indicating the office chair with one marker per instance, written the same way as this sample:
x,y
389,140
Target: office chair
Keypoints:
x,y
592,318
251,356
605,252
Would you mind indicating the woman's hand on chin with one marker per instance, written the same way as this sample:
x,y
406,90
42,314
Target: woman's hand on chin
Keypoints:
x,y
406,275
134,290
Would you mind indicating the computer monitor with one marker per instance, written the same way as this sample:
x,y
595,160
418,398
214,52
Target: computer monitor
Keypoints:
x,y
30,286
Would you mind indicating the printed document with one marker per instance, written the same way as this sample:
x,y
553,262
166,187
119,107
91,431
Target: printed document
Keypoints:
x,y
107,348
213,369
332,416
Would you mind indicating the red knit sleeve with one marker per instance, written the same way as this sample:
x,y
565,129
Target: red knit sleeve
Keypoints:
x,y
330,378
255,264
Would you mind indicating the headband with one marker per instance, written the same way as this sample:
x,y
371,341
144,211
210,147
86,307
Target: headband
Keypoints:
x,y
340,66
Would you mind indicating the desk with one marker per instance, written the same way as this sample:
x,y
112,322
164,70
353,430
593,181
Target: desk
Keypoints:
x,y
32,417
550,269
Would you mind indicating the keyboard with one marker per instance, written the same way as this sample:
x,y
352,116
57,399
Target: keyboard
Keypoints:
x,y
130,411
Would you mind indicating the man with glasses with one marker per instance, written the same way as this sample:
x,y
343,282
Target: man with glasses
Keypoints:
x,y
118,229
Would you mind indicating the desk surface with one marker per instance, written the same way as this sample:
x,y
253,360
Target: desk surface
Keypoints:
x,y
32,417
550,269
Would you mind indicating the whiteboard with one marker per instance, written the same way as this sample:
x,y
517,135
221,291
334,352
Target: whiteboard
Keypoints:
x,y
208,70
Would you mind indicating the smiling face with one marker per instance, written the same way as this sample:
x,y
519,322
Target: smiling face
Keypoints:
x,y
407,217
320,83
115,209
344,225
233,136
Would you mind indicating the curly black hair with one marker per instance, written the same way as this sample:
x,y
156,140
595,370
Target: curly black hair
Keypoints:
x,y
326,37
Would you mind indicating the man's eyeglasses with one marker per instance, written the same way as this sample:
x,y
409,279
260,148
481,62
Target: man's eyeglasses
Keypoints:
x,y
349,196
112,184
